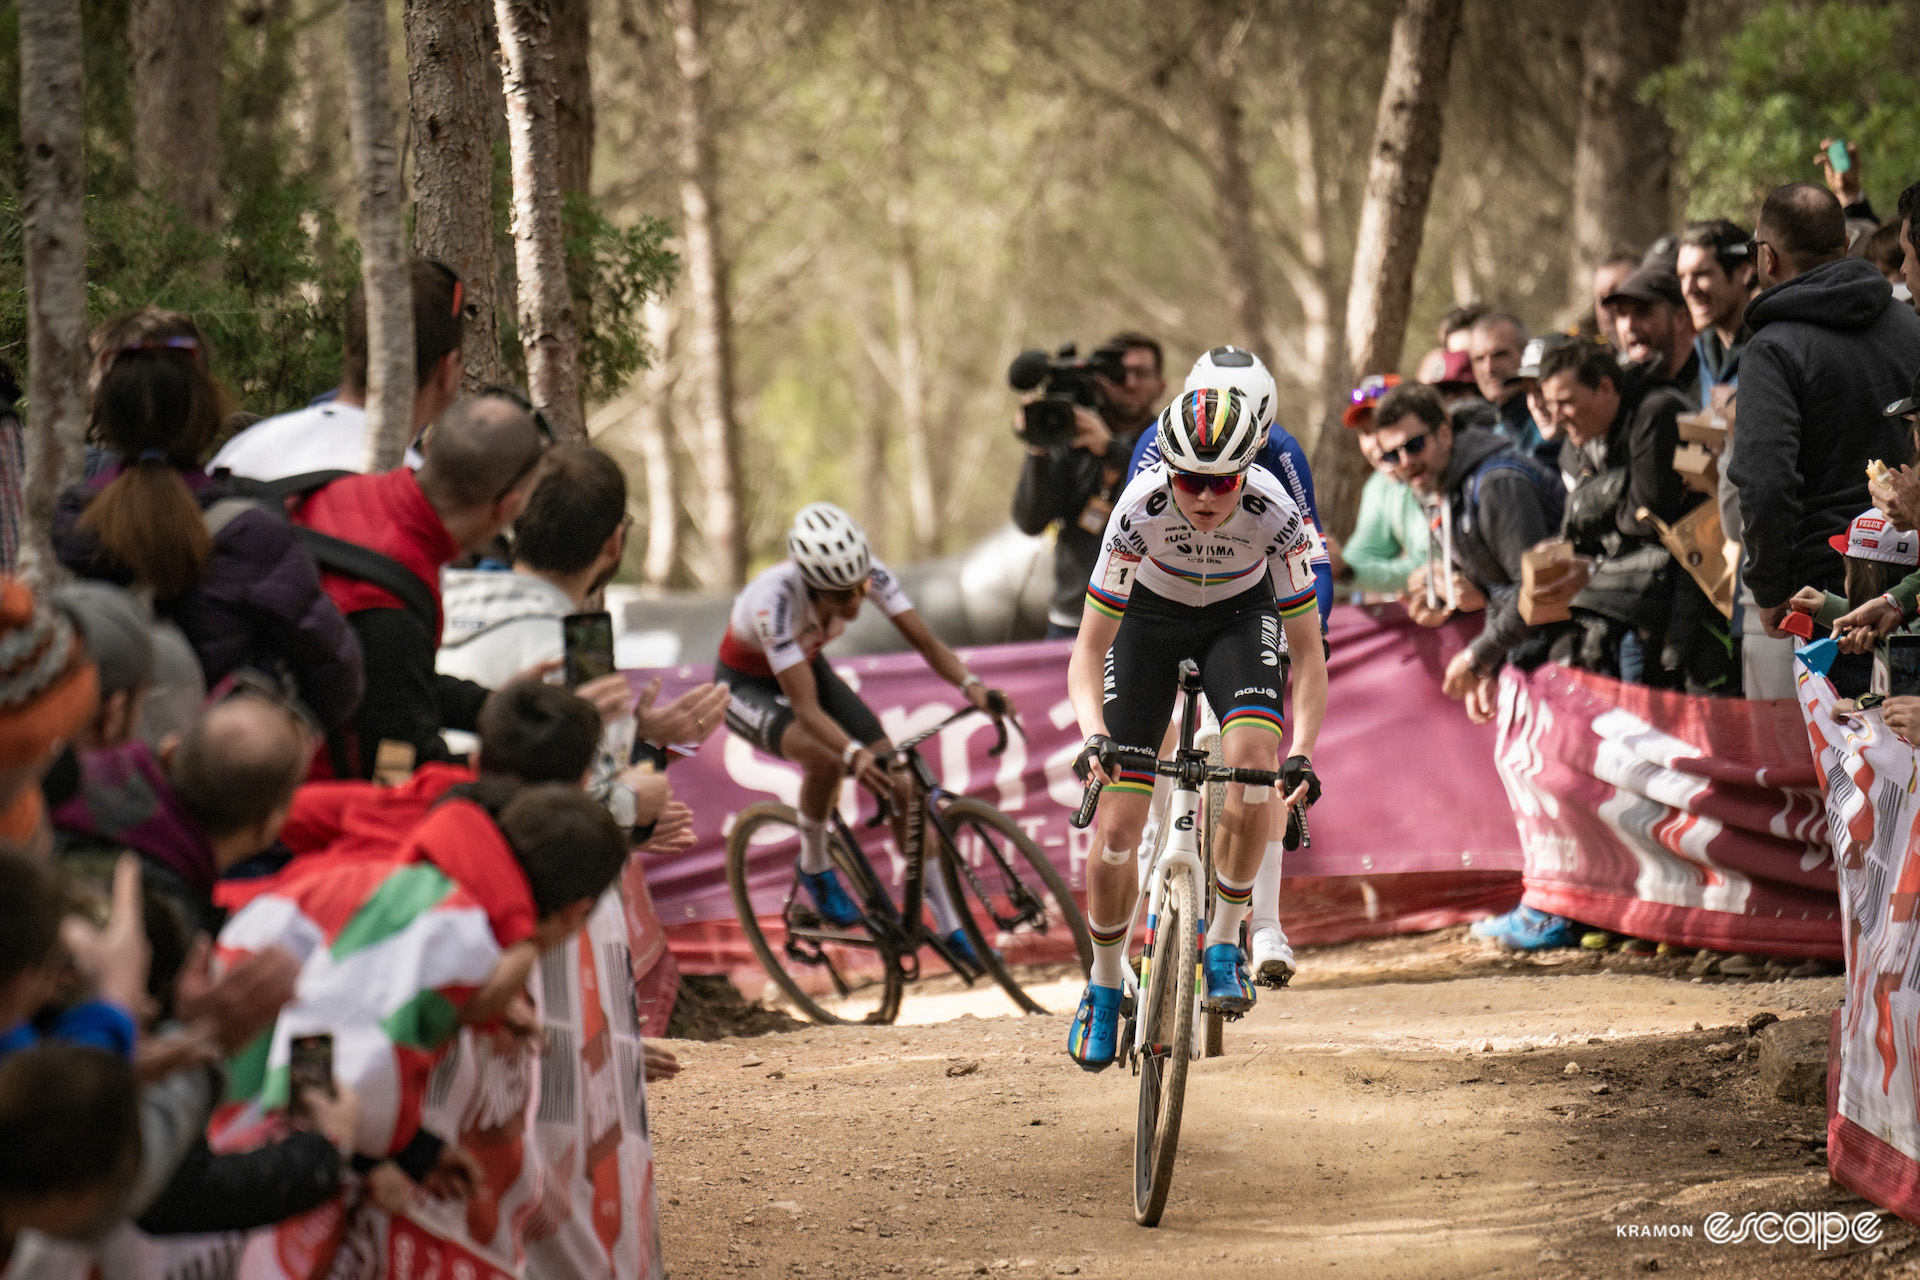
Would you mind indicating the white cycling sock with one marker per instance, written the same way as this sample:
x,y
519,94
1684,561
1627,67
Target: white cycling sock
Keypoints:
x,y
1109,952
813,846
1266,890
945,918
1230,903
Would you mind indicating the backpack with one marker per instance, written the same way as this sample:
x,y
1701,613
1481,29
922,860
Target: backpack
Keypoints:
x,y
1553,493
334,554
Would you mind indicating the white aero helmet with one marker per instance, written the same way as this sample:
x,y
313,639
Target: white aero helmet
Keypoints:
x,y
1225,367
829,548
1213,432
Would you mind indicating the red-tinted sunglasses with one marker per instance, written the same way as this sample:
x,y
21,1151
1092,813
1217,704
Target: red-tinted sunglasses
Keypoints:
x,y
1195,483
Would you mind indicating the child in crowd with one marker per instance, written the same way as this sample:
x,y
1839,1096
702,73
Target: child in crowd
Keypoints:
x,y
1880,563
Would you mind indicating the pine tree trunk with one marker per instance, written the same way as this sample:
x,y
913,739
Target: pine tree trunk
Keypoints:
x,y
573,93
909,368
382,228
448,70
1622,151
177,50
1313,282
655,442
710,343
1223,31
53,228
1406,152
548,330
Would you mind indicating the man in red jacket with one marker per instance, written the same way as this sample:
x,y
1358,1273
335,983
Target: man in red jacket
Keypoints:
x,y
481,462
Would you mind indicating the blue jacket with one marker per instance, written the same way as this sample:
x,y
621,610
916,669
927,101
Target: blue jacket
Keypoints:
x,y
1283,456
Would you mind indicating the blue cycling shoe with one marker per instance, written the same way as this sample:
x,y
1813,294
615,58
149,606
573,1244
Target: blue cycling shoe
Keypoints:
x,y
1094,1037
1532,930
962,947
1495,927
1228,990
830,900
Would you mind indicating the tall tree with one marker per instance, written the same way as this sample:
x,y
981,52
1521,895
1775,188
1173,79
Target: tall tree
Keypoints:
x,y
177,50
1623,150
1406,152
710,340
385,268
449,72
1220,51
53,225
653,431
549,332
573,93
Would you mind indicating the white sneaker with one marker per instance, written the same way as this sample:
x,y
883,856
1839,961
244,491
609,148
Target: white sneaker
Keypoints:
x,y
1272,957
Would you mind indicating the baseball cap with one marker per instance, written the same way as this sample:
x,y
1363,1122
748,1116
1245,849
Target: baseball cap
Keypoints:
x,y
1362,399
1458,371
1872,536
1649,284
1536,351
1901,408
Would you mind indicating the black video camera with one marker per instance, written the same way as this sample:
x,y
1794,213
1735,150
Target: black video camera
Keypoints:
x,y
1065,380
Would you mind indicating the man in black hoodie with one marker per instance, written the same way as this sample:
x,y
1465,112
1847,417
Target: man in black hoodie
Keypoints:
x,y
1829,351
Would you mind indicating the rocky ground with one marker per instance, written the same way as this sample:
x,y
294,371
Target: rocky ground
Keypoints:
x,y
1417,1107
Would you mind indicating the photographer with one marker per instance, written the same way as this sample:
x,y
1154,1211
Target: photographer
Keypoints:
x,y
1076,482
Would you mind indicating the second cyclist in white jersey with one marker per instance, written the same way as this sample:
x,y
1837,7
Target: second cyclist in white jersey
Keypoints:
x,y
788,701
1205,557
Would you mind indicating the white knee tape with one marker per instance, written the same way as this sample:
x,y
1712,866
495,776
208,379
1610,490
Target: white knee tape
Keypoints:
x,y
1116,857
1258,795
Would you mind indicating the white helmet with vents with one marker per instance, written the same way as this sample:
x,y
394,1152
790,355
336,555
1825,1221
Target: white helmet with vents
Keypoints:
x,y
1212,432
829,548
1225,367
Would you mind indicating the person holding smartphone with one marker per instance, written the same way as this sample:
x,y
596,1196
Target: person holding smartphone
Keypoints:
x,y
789,702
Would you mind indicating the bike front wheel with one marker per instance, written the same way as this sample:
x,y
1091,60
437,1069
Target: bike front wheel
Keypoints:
x,y
1168,1000
828,974
1009,897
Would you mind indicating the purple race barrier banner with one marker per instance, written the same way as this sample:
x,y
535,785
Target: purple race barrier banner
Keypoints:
x,y
1695,821
1414,830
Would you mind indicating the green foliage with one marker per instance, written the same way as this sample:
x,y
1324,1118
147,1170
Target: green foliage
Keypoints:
x,y
611,272
1751,116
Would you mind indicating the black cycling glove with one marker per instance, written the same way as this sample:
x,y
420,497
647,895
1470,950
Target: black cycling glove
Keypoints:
x,y
1299,769
1099,747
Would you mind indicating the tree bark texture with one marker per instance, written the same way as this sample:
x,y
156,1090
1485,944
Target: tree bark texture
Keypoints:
x,y
448,72
1224,31
573,93
384,265
1622,150
177,50
910,378
710,339
1405,154
56,262
654,440
549,333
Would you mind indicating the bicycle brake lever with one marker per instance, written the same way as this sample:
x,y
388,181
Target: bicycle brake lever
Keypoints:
x,y
1084,814
1000,736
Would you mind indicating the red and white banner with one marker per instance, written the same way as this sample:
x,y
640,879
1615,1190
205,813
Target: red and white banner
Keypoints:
x,y
1695,821
1414,831
1873,1121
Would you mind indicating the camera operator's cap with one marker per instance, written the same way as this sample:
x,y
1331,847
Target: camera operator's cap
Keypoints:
x,y
1649,284
1536,351
1911,404
1362,399
1872,536
1457,372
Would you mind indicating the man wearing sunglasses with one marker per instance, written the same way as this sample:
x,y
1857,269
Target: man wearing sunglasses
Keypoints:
x,y
1207,558
789,702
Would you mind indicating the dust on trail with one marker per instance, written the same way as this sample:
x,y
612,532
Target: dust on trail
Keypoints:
x,y
1358,1125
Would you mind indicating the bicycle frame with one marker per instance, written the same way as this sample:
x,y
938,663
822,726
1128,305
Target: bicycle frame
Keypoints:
x,y
1180,847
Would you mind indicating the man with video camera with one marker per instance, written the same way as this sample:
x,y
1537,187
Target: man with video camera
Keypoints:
x,y
1079,432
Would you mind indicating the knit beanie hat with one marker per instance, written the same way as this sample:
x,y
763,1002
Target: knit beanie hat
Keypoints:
x,y
48,685
115,629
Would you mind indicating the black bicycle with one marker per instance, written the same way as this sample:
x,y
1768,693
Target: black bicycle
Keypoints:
x,y
1002,888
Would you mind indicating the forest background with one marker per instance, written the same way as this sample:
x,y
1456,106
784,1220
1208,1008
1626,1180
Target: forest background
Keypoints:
x,y
820,228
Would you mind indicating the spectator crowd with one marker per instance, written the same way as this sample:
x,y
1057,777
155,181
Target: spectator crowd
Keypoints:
x,y
302,910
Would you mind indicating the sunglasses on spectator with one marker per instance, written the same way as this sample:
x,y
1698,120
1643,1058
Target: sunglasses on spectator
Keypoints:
x,y
1195,483
1412,447
1371,388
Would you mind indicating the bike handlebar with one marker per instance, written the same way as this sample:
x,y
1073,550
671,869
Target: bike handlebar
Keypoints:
x,y
1173,769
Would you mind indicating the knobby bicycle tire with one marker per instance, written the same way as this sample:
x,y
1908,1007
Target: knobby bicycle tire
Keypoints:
x,y
1163,1075
1024,856
892,976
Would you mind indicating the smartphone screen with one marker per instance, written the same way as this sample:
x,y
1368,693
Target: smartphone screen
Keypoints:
x,y
1837,155
589,640
309,1064
1903,666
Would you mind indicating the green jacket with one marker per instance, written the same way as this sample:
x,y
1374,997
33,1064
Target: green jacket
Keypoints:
x,y
1389,537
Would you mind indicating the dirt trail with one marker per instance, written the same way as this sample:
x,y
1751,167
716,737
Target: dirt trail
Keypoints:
x,y
1407,1110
